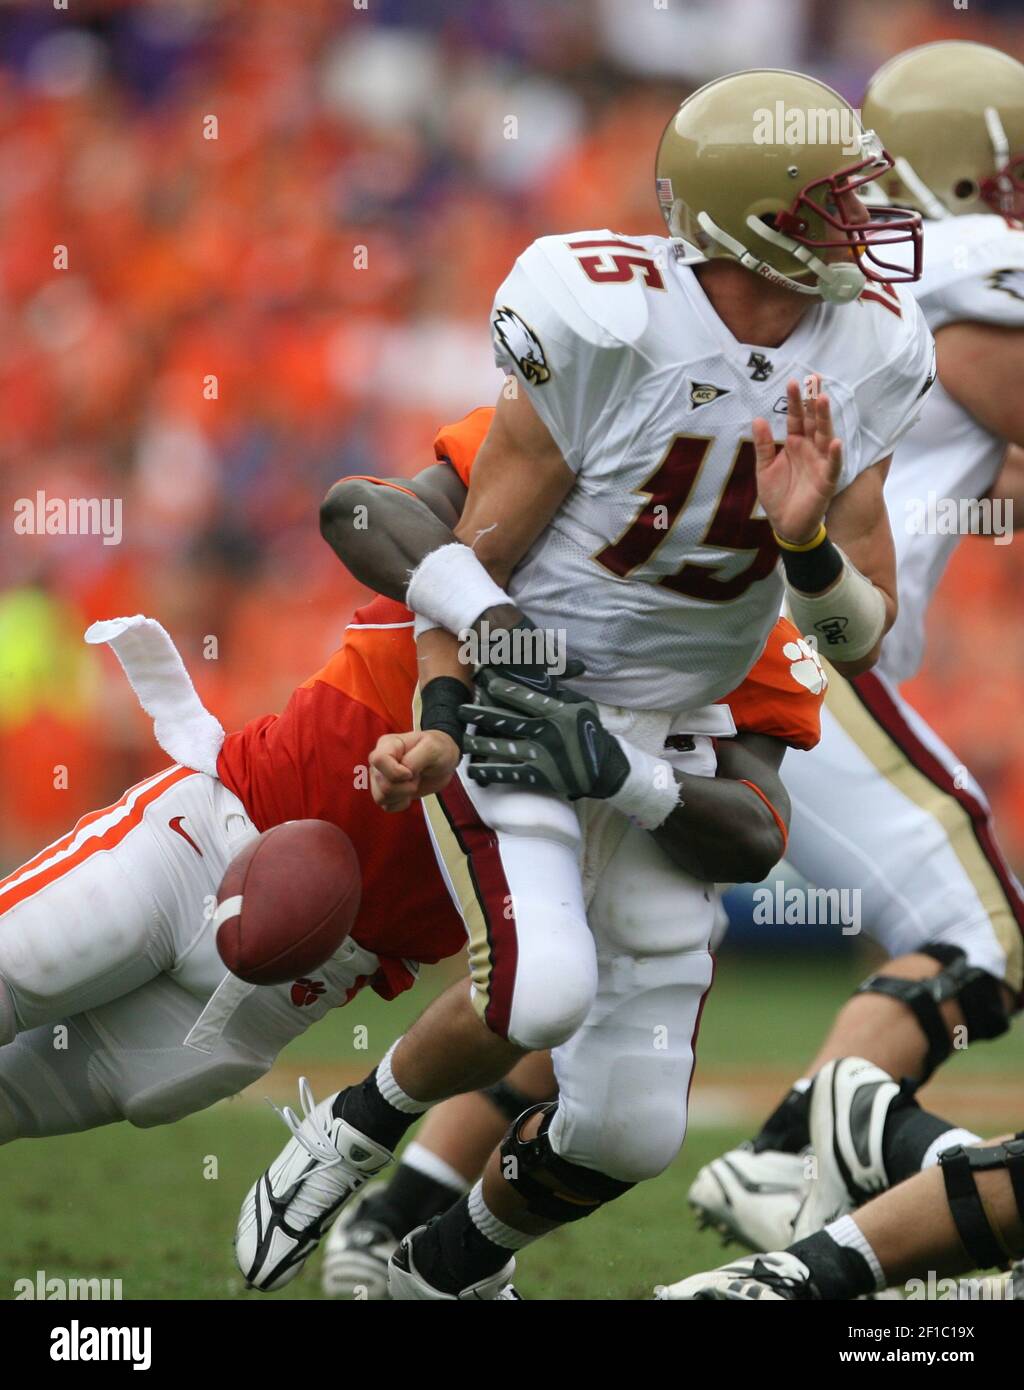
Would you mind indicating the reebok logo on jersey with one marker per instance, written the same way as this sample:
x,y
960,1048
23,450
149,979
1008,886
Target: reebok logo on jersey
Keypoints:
x,y
1011,282
176,826
703,393
523,345
761,368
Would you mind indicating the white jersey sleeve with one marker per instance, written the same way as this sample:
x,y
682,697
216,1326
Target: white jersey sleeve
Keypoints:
x,y
545,337
891,394
996,297
974,272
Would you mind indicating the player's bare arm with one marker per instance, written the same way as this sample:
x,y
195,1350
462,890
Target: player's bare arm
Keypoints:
x,y
1009,486
980,366
519,481
405,767
380,529
731,828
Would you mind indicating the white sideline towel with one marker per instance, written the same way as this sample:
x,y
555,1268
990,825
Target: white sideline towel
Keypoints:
x,y
184,728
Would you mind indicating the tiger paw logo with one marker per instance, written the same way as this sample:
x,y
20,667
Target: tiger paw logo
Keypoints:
x,y
307,992
805,666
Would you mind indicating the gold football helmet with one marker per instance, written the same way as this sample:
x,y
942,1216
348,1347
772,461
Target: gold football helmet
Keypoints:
x,y
952,116
754,167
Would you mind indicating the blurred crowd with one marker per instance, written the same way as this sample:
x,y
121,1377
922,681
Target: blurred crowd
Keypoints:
x,y
249,246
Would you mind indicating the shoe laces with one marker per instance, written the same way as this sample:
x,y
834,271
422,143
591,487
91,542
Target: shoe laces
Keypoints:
x,y
319,1189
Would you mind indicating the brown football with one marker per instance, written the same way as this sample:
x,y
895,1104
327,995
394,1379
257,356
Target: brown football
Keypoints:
x,y
287,902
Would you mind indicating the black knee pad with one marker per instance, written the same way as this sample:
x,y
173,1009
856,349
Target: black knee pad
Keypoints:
x,y
978,993
507,1099
554,1189
959,1164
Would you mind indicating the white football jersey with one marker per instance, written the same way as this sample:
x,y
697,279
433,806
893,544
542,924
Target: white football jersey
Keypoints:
x,y
660,567
973,270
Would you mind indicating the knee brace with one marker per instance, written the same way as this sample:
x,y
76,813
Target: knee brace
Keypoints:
x,y
976,991
554,1189
959,1164
506,1099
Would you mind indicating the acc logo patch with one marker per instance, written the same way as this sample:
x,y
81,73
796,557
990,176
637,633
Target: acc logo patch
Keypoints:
x,y
1011,282
523,345
703,393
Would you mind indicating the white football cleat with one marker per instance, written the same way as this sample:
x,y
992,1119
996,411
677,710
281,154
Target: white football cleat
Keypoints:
x,y
356,1254
289,1208
405,1282
751,1197
849,1105
777,1277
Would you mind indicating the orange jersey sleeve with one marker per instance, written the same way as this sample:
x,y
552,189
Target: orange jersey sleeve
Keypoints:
x,y
783,694
458,444
377,664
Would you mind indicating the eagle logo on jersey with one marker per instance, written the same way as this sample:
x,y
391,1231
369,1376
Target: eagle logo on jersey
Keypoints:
x,y
703,393
805,666
523,345
1011,282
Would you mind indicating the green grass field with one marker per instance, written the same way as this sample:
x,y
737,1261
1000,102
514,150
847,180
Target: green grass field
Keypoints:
x,y
143,1206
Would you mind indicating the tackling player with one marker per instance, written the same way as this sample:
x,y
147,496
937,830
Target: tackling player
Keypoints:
x,y
623,470
107,937
912,830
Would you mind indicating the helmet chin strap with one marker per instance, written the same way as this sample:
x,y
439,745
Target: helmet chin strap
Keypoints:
x,y
924,195
836,284
1000,147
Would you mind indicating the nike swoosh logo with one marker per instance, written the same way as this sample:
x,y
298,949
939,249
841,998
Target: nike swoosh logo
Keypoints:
x,y
175,824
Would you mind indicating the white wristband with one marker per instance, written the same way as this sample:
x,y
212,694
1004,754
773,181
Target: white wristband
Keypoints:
x,y
422,625
650,792
846,620
451,586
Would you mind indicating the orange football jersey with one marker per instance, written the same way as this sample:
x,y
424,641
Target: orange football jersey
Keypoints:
x,y
311,759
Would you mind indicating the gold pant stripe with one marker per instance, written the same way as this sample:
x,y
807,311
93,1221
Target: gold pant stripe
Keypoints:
x,y
457,866
894,764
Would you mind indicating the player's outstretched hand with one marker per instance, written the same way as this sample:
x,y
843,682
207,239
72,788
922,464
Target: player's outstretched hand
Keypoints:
x,y
405,767
796,484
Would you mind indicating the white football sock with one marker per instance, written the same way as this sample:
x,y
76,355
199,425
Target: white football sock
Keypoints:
x,y
431,1165
490,1226
947,1141
393,1093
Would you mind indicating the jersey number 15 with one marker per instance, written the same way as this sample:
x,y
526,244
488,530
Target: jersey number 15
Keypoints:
x,y
733,525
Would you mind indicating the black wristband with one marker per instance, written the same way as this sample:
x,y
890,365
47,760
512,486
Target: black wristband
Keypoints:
x,y
813,571
440,700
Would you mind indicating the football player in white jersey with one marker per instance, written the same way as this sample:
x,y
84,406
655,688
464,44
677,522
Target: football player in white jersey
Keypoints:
x,y
632,500
912,829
